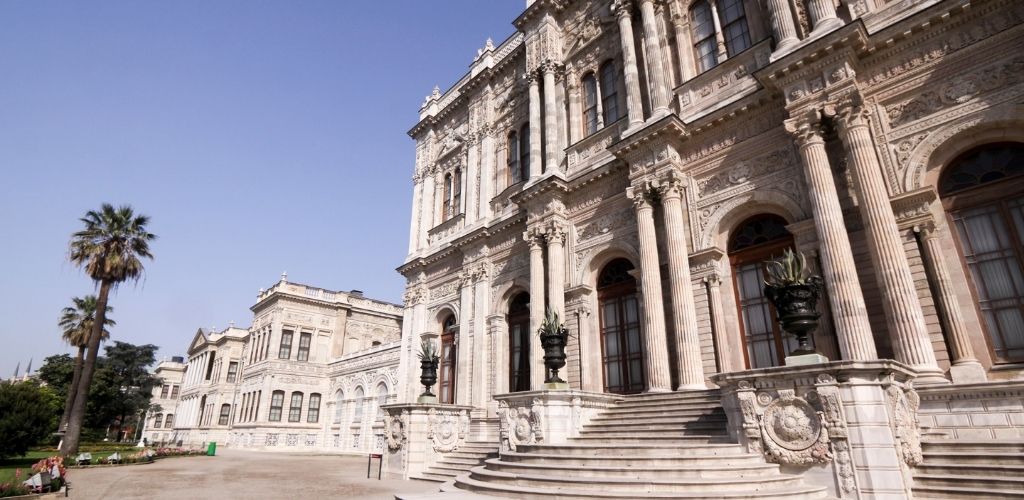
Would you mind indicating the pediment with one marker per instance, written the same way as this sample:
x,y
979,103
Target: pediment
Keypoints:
x,y
198,341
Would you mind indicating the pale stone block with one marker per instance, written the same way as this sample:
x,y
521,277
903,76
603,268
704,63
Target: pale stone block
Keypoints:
x,y
1004,405
973,434
968,405
1017,419
933,407
865,394
876,457
881,479
952,421
868,414
989,420
871,435
1008,433
926,420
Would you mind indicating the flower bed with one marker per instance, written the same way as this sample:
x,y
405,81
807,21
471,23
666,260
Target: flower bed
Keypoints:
x,y
145,456
53,477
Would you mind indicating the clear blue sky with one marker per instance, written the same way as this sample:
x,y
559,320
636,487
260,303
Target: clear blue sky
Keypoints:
x,y
260,136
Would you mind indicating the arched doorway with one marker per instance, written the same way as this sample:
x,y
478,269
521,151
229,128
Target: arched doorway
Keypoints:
x,y
622,351
758,239
982,193
519,343
446,369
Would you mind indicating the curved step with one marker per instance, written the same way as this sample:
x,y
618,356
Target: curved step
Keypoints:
x,y
637,439
636,484
968,481
700,471
951,493
649,449
635,460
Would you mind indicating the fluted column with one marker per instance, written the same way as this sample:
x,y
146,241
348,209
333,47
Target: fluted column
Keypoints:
x,y
684,315
487,159
783,26
414,222
555,237
684,46
903,315
655,348
634,106
536,241
966,367
715,310
536,162
550,117
575,112
823,16
839,269
464,349
655,59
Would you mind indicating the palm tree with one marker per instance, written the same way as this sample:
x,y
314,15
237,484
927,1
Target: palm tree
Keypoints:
x,y
76,323
109,248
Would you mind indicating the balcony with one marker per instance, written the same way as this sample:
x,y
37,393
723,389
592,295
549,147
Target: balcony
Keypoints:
x,y
718,86
446,229
593,149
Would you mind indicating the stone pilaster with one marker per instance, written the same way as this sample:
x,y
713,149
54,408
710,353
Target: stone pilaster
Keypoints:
x,y
783,27
684,45
535,238
903,315
575,111
966,368
656,349
536,162
823,16
414,223
839,269
714,286
684,316
464,343
634,106
481,357
548,69
555,237
488,153
654,59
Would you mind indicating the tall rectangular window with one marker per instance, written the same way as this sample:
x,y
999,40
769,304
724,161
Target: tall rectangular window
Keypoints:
x,y
276,404
609,93
285,351
704,35
313,413
457,193
512,153
590,124
734,26
164,390
524,151
295,409
304,340
174,391
225,414
232,371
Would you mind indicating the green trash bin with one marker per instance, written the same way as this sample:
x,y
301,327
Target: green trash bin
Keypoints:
x,y
211,450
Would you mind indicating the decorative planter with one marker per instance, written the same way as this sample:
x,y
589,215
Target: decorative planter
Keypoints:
x,y
428,375
553,343
796,305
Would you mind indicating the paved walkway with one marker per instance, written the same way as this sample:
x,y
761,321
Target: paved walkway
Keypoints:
x,y
247,475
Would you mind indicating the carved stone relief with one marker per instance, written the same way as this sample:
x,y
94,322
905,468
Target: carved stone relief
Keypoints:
x,y
446,429
518,425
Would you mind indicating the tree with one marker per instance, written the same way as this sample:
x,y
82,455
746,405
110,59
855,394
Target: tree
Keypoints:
x,y
27,413
57,372
109,248
126,371
76,323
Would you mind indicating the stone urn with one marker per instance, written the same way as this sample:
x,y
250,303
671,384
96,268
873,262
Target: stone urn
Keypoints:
x,y
790,287
429,361
553,337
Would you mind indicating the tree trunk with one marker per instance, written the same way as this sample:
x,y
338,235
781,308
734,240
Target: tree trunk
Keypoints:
x,y
77,418
72,390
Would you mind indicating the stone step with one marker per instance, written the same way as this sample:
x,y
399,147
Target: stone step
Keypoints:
x,y
470,454
675,433
715,401
981,469
637,439
968,481
703,471
458,461
646,449
981,445
696,416
636,485
451,469
973,457
624,459
958,493
659,410
801,492
660,396
644,425
428,476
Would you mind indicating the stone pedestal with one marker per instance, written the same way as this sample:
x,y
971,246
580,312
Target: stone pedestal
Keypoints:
x,y
415,435
806,359
548,417
851,426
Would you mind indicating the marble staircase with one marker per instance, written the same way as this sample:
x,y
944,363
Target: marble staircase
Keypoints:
x,y
665,445
955,468
460,461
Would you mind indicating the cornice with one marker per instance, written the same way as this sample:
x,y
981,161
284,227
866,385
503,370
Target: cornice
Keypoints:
x,y
537,9
850,36
668,129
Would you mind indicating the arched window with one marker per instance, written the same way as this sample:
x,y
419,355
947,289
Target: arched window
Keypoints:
x,y
982,191
609,93
704,44
157,420
734,26
446,370
731,20
295,408
276,404
590,123
622,350
339,405
447,200
225,414
755,241
512,154
382,399
524,151
313,412
519,343
457,193
357,414
169,421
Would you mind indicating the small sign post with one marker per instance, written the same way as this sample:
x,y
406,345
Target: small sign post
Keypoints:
x,y
380,464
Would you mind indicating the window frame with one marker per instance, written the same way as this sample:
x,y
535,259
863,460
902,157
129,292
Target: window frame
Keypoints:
x,y
295,407
225,414
608,84
232,375
313,410
276,406
305,340
591,111
284,350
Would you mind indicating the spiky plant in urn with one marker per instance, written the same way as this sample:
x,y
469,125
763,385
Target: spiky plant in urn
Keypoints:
x,y
794,292
553,337
429,361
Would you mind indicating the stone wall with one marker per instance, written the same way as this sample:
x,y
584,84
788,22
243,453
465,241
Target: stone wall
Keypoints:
x,y
974,411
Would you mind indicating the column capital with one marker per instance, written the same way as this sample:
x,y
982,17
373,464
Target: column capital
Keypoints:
x,y
622,8
927,229
549,66
640,195
532,77
805,128
534,236
848,111
554,232
671,185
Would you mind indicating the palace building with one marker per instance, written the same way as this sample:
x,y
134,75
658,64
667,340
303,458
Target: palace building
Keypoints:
x,y
632,164
310,374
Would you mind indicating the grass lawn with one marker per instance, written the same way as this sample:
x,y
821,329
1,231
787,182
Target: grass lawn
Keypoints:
x,y
25,463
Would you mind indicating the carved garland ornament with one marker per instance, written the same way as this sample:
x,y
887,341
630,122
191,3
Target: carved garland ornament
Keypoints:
x,y
395,429
903,406
518,425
